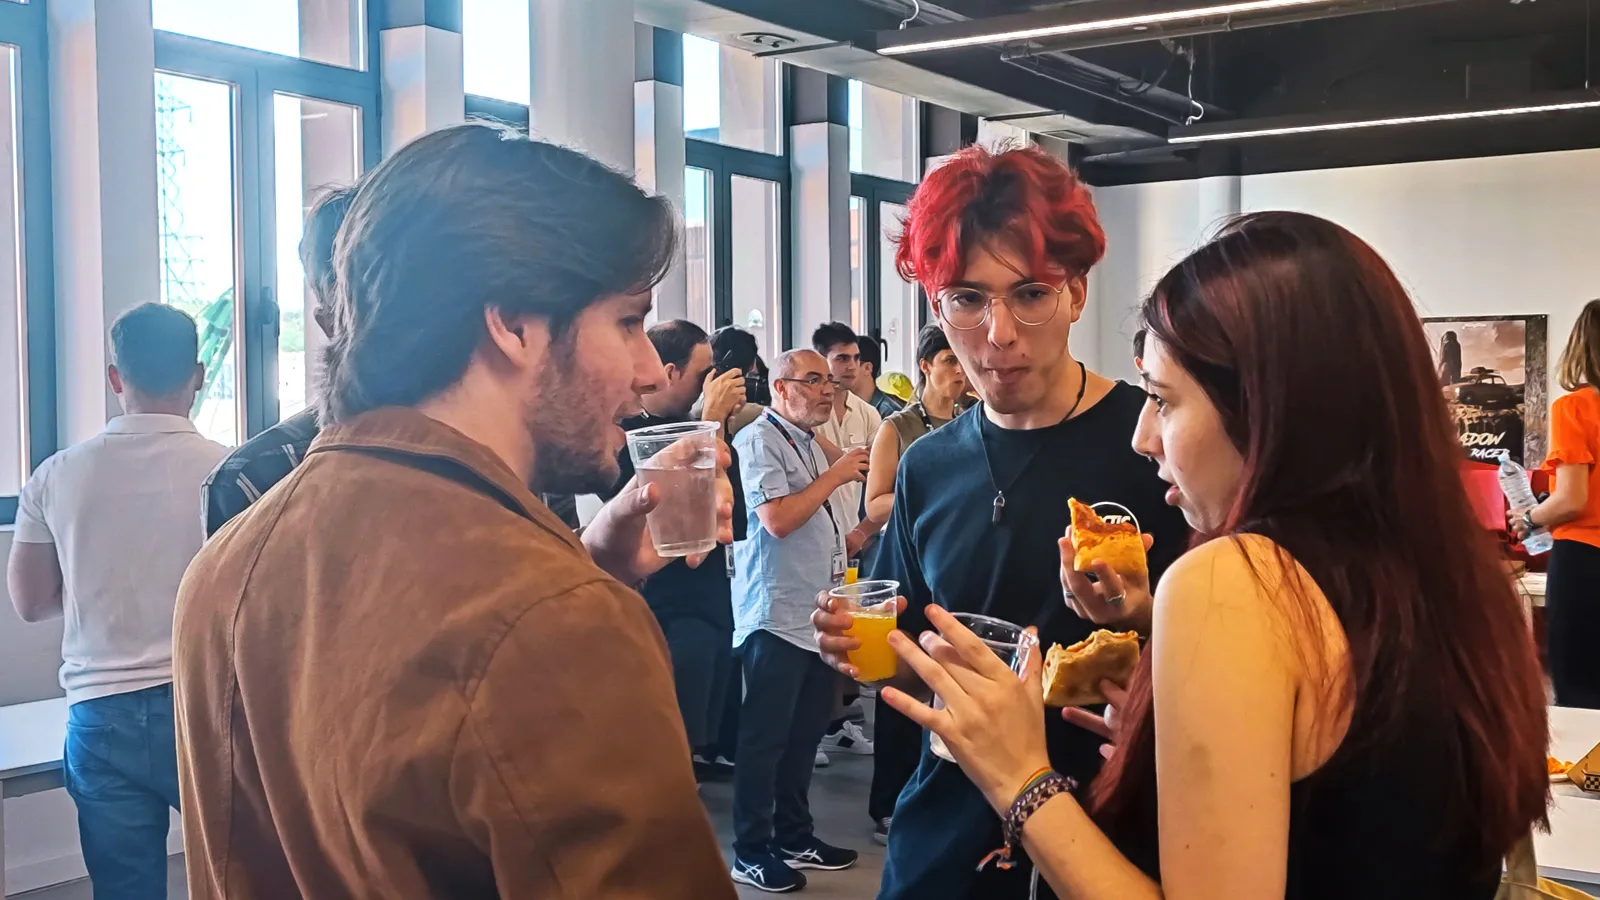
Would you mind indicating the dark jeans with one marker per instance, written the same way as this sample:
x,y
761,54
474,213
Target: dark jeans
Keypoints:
x,y
1572,619
702,662
896,750
121,768
789,695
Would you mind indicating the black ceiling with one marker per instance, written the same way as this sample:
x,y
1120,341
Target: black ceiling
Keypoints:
x,y
1409,60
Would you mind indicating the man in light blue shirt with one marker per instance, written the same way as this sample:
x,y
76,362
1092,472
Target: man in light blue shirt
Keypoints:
x,y
796,547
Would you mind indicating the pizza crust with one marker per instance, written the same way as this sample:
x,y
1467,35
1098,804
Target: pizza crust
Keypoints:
x,y
1072,675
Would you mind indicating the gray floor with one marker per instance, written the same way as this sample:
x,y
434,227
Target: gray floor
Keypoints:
x,y
838,802
839,805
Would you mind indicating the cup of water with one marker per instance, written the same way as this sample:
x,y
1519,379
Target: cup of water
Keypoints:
x,y
681,461
1010,642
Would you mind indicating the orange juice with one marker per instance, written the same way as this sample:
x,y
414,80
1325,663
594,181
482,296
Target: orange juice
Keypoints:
x,y
852,575
875,660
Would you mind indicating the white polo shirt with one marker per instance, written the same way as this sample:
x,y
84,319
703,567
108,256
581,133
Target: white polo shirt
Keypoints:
x,y
123,509
857,429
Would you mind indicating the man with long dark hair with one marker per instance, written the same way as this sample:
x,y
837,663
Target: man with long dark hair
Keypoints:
x,y
401,675
980,505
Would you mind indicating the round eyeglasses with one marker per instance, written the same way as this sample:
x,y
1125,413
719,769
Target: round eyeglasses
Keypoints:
x,y
968,308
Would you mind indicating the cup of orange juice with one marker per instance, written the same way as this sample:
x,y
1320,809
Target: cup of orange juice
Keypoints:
x,y
873,608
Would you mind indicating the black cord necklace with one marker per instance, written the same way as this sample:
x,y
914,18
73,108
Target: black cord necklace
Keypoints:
x,y
999,493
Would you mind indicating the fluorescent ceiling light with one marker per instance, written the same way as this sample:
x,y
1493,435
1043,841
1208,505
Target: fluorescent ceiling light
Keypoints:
x,y
1270,131
1144,20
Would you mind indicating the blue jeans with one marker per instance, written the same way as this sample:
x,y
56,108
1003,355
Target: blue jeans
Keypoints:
x,y
122,772
789,697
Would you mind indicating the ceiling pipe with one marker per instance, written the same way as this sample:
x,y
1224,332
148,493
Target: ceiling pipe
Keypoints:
x,y
1041,66
1081,27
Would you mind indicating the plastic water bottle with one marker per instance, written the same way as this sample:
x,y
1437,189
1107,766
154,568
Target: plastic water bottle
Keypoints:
x,y
1518,488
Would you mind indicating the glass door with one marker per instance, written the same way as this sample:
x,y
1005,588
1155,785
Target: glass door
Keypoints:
x,y
698,247
197,188
745,196
897,298
883,306
247,142
756,279
316,146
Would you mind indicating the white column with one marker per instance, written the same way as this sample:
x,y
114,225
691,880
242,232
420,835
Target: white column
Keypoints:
x,y
819,199
422,82
819,189
1217,202
582,92
658,152
103,138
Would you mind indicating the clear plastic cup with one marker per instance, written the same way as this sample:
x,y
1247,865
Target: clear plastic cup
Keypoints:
x,y
681,461
1008,641
874,611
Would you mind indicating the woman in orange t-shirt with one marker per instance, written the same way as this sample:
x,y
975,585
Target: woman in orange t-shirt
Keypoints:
x,y
1572,513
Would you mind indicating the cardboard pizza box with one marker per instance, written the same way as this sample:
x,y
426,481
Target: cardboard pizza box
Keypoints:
x,y
1585,773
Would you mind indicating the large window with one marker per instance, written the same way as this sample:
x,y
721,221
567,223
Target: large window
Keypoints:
x,y
495,37
884,133
27,308
882,305
316,146
698,252
325,31
199,233
731,97
246,142
735,212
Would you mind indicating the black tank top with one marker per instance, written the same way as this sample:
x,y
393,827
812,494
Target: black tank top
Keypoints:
x,y
1369,824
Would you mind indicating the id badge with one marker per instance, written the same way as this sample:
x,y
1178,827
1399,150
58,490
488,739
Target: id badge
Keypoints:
x,y
840,567
728,556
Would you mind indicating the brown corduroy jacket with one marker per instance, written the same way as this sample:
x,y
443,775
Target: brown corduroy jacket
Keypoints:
x,y
399,675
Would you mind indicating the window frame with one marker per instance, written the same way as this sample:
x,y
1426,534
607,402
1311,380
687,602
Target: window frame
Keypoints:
x,y
874,190
723,161
258,76
25,27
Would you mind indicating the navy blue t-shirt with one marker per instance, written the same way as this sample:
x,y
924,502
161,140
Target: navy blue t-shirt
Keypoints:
x,y
942,547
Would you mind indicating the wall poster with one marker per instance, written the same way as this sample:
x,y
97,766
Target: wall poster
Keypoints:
x,y
1493,372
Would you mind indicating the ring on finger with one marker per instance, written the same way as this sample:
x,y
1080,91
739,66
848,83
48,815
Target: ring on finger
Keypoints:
x,y
1117,600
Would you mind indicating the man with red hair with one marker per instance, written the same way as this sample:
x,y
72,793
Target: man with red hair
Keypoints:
x,y
1003,243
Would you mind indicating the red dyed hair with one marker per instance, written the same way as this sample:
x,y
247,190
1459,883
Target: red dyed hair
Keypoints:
x,y
1024,197
1312,353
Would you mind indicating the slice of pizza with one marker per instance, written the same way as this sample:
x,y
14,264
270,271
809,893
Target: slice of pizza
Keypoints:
x,y
1072,675
1095,540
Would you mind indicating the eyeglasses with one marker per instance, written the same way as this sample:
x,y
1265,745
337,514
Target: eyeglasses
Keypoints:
x,y
812,380
968,308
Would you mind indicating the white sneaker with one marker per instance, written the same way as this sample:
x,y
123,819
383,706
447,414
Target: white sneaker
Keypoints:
x,y
822,761
849,739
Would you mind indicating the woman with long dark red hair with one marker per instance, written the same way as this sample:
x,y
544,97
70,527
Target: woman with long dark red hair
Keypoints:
x,y
1340,697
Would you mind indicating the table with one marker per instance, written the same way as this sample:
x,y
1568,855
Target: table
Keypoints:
x,y
32,736
1571,851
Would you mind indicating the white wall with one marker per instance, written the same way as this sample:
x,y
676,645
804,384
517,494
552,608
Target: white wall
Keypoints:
x,y
1511,234
41,830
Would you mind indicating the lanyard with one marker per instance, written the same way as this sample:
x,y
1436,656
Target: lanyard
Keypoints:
x,y
808,464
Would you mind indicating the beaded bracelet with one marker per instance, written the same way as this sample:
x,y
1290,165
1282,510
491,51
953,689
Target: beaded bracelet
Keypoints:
x,y
1035,793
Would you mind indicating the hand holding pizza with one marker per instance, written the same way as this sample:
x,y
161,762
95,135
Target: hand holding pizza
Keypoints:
x,y
1114,554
